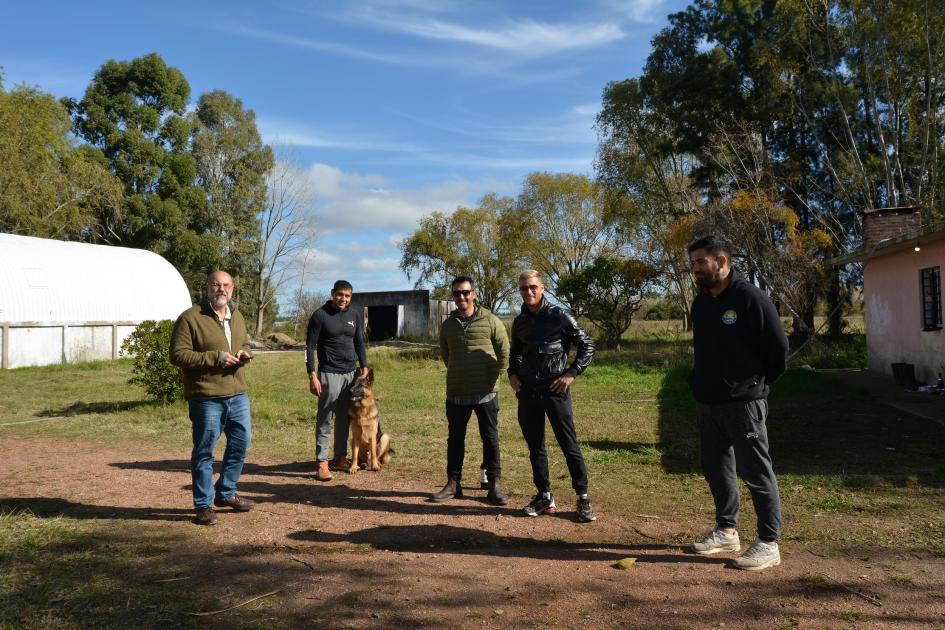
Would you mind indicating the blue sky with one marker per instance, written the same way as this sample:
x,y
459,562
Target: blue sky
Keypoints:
x,y
393,108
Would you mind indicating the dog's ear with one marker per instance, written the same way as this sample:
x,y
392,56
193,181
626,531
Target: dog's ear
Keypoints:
x,y
370,376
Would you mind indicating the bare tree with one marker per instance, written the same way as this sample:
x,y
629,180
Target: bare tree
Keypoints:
x,y
287,228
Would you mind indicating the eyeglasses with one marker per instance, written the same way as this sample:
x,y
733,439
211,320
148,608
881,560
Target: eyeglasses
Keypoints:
x,y
462,292
219,285
530,288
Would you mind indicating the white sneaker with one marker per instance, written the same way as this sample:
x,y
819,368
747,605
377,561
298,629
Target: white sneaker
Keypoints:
x,y
760,555
716,541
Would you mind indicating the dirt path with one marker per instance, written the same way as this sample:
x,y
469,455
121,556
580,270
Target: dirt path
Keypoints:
x,y
368,551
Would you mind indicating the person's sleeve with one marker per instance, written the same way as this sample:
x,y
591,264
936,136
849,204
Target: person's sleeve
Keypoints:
x,y
773,340
581,340
444,345
245,345
182,348
500,342
359,346
515,352
311,340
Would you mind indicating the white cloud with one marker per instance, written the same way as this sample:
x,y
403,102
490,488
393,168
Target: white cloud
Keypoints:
x,y
641,11
587,109
350,201
526,37
280,132
378,264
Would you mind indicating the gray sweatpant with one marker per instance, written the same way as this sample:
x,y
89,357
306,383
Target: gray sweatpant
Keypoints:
x,y
336,393
733,442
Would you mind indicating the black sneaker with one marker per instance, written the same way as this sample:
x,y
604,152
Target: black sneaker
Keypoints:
x,y
584,510
540,505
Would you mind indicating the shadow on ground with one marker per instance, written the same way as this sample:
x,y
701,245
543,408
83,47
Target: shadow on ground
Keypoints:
x,y
82,408
817,426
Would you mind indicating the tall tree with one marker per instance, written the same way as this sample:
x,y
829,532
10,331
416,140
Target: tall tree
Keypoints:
x,y
481,242
49,187
133,112
568,225
287,230
232,164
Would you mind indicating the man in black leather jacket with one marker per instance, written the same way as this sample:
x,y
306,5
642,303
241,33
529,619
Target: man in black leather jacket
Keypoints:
x,y
542,335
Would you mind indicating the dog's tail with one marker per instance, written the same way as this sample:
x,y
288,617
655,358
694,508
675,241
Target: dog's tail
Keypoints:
x,y
384,448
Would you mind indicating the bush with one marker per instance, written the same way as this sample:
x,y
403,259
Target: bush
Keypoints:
x,y
150,346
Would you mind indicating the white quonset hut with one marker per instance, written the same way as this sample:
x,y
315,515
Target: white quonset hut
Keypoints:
x,y
63,302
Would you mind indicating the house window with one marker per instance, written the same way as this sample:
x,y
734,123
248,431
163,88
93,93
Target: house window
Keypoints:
x,y
931,298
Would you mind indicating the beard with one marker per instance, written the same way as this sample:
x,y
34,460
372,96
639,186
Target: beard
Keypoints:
x,y
708,280
218,299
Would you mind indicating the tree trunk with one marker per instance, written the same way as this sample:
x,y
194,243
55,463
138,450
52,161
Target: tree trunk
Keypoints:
x,y
835,313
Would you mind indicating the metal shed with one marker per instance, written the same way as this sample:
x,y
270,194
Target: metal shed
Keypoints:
x,y
63,302
390,314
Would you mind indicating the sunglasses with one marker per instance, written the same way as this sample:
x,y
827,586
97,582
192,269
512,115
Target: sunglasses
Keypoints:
x,y
462,292
530,288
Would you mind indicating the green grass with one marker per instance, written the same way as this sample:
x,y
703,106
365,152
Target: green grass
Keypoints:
x,y
844,464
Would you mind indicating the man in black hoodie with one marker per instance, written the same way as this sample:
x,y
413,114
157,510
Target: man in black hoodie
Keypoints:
x,y
335,337
739,349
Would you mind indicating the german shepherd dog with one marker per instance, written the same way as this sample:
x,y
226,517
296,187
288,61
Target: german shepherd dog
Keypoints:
x,y
362,417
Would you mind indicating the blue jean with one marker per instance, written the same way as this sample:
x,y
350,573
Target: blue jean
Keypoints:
x,y
209,417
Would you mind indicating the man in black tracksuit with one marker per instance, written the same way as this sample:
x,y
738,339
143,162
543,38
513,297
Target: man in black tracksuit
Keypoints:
x,y
739,349
542,335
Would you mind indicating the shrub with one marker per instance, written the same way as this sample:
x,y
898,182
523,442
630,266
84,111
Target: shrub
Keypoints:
x,y
150,345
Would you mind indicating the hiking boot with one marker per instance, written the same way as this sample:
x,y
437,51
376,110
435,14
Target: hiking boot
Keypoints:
x,y
238,503
540,505
451,490
323,474
339,463
205,516
483,479
760,555
496,496
585,512
716,541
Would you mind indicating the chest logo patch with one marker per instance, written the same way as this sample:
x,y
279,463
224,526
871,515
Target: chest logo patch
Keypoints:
x,y
729,317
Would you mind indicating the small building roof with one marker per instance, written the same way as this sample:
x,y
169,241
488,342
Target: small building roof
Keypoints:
x,y
899,243
48,281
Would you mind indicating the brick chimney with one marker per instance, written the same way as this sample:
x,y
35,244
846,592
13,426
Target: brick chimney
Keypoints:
x,y
881,224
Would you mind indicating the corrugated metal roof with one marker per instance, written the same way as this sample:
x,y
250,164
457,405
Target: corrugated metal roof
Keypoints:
x,y
45,281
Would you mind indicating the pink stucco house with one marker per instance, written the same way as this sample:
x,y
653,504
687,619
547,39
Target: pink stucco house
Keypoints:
x,y
902,291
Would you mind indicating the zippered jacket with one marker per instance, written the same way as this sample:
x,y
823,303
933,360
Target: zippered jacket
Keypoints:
x,y
541,342
474,355
197,343
738,343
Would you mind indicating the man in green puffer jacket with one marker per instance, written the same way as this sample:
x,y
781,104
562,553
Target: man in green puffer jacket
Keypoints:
x,y
475,349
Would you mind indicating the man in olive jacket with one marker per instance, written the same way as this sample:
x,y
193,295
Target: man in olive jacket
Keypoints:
x,y
211,347
475,349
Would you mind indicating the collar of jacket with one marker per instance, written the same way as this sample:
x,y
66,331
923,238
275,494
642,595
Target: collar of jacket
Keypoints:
x,y
331,308
543,306
475,315
207,309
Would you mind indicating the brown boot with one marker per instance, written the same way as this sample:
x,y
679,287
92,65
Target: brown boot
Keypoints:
x,y
495,496
323,473
451,490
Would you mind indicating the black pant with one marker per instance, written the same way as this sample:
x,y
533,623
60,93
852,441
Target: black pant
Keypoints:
x,y
533,405
733,442
458,417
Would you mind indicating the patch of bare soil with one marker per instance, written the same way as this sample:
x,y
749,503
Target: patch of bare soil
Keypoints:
x,y
368,550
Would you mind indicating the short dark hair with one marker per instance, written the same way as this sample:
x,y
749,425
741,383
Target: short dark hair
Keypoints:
x,y
341,285
462,279
713,245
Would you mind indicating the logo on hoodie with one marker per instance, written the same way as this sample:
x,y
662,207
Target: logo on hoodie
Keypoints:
x,y
729,317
